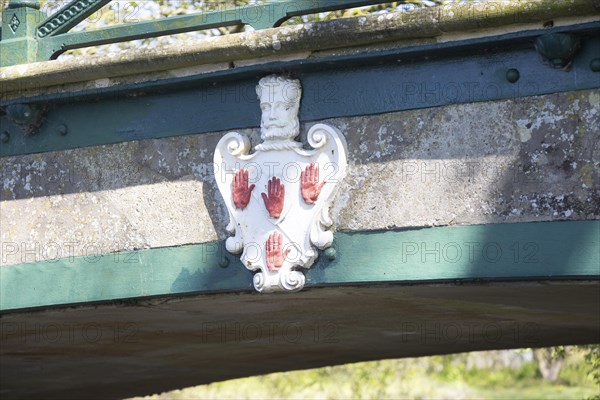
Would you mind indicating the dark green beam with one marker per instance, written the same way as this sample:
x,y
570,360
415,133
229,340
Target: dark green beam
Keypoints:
x,y
523,251
339,86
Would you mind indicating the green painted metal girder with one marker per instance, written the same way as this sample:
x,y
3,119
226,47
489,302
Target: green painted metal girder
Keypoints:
x,y
522,251
51,38
258,16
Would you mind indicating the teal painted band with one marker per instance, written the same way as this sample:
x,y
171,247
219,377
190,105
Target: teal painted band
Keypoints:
x,y
546,250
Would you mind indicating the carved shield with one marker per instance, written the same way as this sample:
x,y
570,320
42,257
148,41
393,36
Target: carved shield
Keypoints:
x,y
279,240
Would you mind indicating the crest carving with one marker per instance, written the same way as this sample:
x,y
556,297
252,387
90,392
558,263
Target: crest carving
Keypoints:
x,y
278,197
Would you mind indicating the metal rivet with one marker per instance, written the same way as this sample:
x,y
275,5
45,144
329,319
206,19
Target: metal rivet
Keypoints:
x,y
512,75
595,64
224,262
63,130
330,253
4,137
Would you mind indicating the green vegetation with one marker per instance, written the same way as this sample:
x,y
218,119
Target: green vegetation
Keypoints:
x,y
507,374
592,358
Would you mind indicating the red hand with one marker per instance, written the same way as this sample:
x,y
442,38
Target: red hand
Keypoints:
x,y
274,251
274,200
240,189
309,184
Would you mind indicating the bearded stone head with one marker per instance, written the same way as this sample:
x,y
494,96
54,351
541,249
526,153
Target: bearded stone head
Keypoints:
x,y
280,102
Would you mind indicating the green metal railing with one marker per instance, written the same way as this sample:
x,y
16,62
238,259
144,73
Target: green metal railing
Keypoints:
x,y
29,35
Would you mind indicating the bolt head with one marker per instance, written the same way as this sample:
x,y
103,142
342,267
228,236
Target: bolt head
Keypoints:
x,y
512,75
595,65
22,114
224,262
330,253
63,130
558,48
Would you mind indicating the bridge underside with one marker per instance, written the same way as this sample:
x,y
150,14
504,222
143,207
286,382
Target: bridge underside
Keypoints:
x,y
149,346
468,219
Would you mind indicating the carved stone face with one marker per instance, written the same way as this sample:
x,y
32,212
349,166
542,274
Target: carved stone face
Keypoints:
x,y
279,102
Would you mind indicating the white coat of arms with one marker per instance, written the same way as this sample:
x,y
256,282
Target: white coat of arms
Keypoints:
x,y
279,196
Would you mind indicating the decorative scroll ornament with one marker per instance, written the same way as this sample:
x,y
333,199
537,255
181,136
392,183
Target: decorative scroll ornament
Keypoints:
x,y
69,16
279,196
